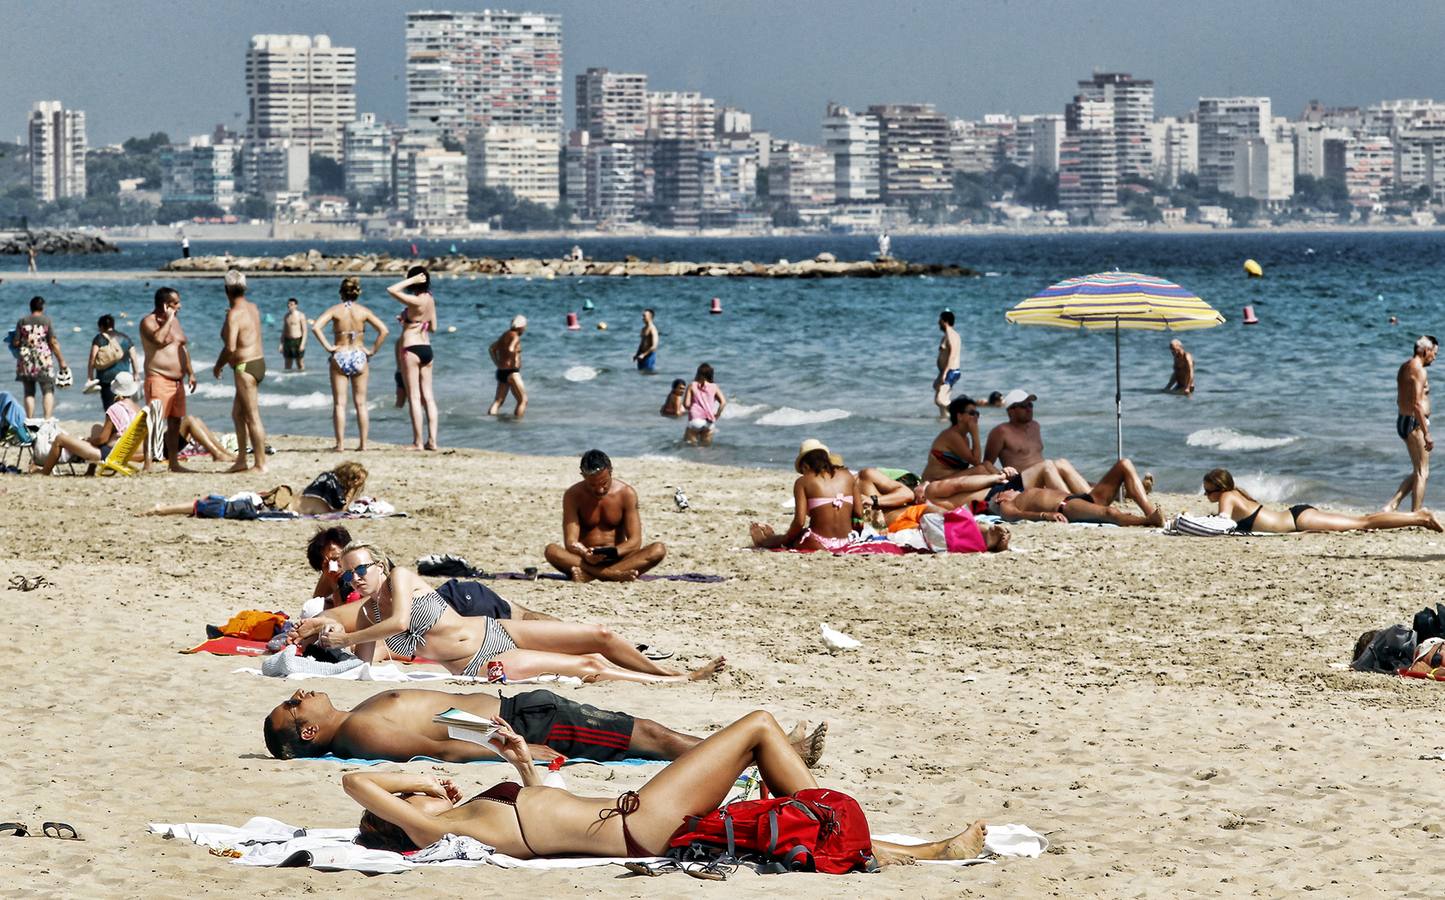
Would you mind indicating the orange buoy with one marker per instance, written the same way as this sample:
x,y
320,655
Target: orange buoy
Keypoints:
x,y
716,307
572,322
1249,317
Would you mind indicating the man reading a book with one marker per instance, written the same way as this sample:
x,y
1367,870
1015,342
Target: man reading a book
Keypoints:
x,y
398,725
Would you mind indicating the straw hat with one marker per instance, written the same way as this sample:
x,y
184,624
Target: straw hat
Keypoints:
x,y
809,446
124,385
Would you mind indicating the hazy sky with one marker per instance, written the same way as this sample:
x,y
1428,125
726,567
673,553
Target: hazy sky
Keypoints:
x,y
178,65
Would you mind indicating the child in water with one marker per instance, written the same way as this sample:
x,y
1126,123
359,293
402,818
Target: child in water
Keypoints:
x,y
672,407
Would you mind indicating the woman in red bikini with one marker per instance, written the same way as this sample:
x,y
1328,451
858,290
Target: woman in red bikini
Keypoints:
x,y
405,811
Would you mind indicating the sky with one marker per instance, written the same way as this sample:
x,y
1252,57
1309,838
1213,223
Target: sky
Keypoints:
x,y
178,65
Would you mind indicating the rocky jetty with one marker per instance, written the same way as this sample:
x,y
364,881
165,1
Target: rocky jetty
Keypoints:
x,y
17,243
824,265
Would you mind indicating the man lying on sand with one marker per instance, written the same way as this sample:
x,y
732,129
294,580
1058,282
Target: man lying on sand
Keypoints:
x,y
601,528
1043,504
397,725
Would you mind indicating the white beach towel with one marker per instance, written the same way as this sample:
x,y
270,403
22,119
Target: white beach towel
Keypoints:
x,y
1002,841
287,664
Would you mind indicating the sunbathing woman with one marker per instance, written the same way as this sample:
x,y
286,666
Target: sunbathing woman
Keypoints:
x,y
400,613
1249,514
825,503
329,492
405,811
414,351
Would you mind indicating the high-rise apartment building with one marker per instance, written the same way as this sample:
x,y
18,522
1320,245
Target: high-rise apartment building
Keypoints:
x,y
800,175
612,106
1133,105
1389,118
1046,133
1222,121
980,146
611,181
731,122
276,169
200,171
57,151
436,196
1175,149
523,160
1369,170
1263,169
680,116
1420,157
728,170
676,182
300,88
852,139
913,148
366,162
1088,161
470,70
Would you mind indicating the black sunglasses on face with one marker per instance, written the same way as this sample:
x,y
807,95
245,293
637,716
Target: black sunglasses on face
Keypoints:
x,y
358,572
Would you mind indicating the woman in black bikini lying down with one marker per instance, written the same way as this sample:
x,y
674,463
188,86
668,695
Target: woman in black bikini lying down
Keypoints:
x,y
1250,515
397,608
528,820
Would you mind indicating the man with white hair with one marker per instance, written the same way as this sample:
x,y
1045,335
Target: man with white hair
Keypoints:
x,y
1412,421
1182,379
506,352
242,350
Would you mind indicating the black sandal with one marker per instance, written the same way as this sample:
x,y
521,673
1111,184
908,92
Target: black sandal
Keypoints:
x,y
14,829
60,831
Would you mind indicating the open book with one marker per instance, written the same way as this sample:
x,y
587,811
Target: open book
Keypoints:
x,y
464,726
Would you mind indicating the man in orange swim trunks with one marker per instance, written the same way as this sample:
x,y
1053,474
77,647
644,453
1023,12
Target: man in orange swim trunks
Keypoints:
x,y
168,360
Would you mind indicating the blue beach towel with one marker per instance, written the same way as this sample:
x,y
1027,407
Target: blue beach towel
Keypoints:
x,y
12,419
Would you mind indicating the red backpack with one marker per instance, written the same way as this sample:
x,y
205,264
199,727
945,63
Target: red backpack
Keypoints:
x,y
814,830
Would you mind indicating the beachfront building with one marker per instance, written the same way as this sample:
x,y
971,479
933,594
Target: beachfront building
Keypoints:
x,y
1310,139
1390,118
366,157
57,151
277,170
852,139
680,116
1369,170
573,171
1263,169
1088,163
1420,157
1175,149
800,175
913,152
436,194
471,70
1046,135
732,123
612,106
201,170
300,88
728,172
1132,100
676,197
979,147
611,184
525,161
1222,121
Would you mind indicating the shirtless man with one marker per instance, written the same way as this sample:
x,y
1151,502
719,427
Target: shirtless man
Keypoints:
x,y
1412,422
646,355
397,725
1041,504
950,348
241,350
350,357
1018,444
293,336
167,362
1181,381
506,354
601,528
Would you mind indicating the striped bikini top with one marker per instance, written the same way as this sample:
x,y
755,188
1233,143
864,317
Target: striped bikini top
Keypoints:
x,y
425,611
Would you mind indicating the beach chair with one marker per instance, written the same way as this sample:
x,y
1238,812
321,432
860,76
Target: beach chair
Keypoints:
x,y
15,434
134,437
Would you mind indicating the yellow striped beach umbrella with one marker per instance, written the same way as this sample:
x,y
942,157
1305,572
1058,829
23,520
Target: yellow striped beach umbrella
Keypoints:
x,y
1116,300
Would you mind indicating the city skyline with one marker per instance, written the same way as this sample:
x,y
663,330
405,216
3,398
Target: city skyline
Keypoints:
x,y
780,61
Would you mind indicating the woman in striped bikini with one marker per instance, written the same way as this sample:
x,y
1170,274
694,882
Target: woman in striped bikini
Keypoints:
x,y
398,609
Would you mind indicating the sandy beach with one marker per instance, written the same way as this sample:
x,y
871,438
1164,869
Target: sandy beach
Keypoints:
x,y
1171,712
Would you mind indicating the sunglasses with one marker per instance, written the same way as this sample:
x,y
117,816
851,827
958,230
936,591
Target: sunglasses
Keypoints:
x,y
359,572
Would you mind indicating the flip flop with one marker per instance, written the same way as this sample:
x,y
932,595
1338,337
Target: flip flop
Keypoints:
x,y
656,654
21,583
60,831
651,870
710,871
13,829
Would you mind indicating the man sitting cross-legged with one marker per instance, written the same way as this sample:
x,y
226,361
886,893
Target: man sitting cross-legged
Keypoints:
x,y
601,528
1048,505
397,725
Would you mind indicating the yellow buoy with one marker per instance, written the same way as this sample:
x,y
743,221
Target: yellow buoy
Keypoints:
x,y
601,326
1252,269
451,329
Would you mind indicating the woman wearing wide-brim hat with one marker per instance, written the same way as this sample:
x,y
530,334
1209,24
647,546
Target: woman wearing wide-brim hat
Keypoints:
x,y
825,504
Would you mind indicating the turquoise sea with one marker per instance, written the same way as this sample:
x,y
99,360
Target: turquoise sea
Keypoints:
x,y
1300,406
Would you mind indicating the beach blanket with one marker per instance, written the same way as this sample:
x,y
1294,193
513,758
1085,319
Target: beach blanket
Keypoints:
x,y
287,664
694,577
569,761
229,646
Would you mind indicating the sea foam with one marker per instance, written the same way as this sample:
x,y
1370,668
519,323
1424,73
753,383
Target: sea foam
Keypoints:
x,y
742,410
1229,439
1268,488
580,373
787,417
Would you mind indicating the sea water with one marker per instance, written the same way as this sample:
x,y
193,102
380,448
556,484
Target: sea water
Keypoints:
x,y
1300,407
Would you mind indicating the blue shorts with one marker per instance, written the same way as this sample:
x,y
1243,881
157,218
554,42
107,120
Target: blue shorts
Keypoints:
x,y
648,363
951,377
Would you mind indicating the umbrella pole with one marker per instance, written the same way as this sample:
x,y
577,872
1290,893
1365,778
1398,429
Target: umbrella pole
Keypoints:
x,y
1118,397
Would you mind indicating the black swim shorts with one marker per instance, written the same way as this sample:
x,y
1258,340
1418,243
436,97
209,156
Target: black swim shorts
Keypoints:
x,y
1404,425
572,729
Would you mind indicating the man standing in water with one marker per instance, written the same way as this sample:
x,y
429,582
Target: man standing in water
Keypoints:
x,y
168,360
646,355
293,336
241,350
1181,381
506,354
1412,421
950,348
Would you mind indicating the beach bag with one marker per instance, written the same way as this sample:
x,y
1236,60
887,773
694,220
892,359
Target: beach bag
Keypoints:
x,y
1429,623
1202,526
955,531
814,830
109,353
1392,649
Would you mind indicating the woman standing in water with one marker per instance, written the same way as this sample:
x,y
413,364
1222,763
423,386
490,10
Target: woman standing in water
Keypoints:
x,y
414,351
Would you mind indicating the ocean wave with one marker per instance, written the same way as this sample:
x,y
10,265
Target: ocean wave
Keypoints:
x,y
1268,488
313,400
580,373
658,458
787,417
207,390
1229,439
742,410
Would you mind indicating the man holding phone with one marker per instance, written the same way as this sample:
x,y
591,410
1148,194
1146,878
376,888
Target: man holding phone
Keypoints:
x,y
601,528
